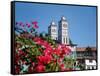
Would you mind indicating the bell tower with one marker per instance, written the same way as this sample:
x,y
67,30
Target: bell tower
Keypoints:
x,y
63,36
52,30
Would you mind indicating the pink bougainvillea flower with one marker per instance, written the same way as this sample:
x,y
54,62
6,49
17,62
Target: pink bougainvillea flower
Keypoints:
x,y
17,58
62,67
66,50
47,52
57,51
60,60
44,59
16,23
37,40
45,44
17,69
28,25
30,69
36,26
59,47
48,58
20,52
24,62
33,64
34,22
40,68
21,23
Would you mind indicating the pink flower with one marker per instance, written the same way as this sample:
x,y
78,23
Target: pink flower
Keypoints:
x,y
60,60
44,59
17,69
33,63
28,25
24,62
46,52
20,52
35,24
21,23
62,67
16,23
57,51
40,68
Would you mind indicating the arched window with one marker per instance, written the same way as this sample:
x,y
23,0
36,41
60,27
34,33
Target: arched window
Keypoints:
x,y
53,30
64,40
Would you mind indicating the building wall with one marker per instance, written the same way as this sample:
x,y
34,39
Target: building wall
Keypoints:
x,y
90,64
89,58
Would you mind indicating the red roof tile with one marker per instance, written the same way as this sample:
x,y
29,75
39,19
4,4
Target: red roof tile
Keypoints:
x,y
84,48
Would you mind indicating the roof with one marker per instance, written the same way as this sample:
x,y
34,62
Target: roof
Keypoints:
x,y
84,49
63,18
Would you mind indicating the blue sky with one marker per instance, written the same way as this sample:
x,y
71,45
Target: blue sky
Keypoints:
x,y
81,20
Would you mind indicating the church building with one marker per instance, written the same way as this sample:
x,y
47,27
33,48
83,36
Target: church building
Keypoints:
x,y
60,33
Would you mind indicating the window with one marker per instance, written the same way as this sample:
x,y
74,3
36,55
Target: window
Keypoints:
x,y
56,38
88,67
64,25
53,30
93,67
90,61
64,40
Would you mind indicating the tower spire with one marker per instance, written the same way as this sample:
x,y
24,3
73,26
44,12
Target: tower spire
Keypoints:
x,y
63,18
53,22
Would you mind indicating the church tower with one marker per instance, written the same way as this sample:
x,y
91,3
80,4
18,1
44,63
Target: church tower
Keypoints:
x,y
63,36
52,30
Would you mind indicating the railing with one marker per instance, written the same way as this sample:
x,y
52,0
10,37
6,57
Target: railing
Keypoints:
x,y
86,57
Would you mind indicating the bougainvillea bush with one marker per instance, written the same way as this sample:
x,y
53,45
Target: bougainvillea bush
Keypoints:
x,y
35,53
